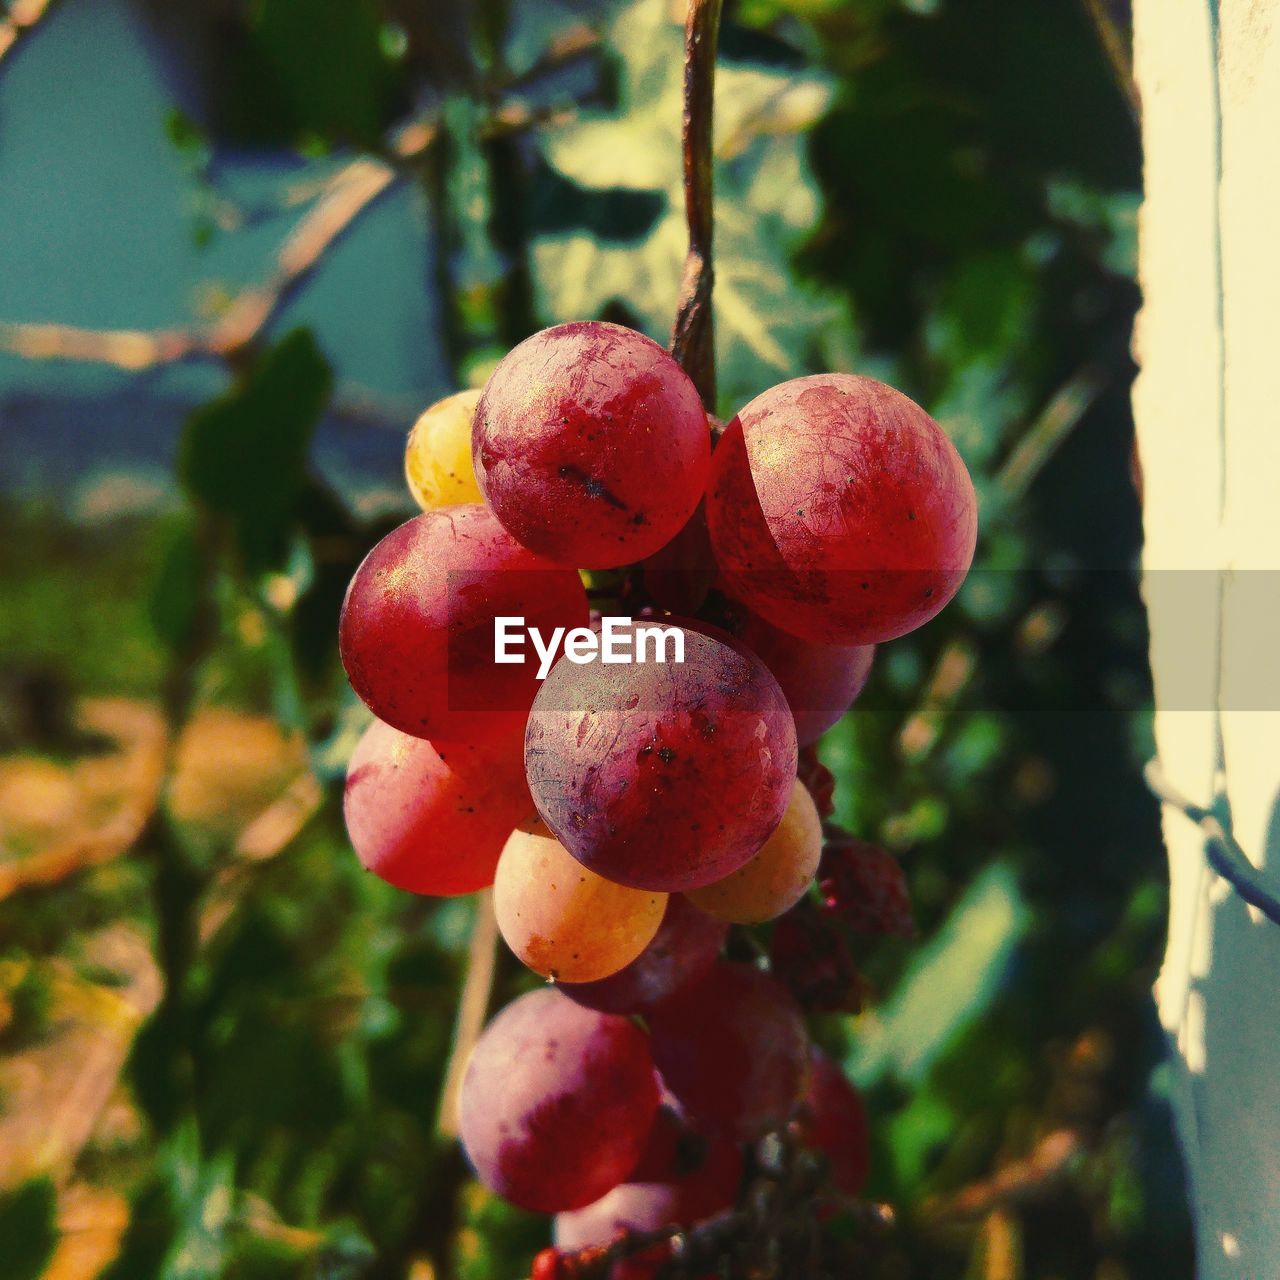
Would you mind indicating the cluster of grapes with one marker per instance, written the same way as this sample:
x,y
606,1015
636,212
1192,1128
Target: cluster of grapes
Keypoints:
x,y
628,814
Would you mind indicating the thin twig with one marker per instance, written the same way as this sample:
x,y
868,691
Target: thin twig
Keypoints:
x,y
780,1210
1117,51
18,22
473,1008
350,192
1018,1183
358,185
570,44
1222,851
1002,1247
1058,419
693,336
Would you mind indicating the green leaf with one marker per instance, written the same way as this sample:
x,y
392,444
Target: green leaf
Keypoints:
x,y
244,456
318,69
28,1229
767,324
980,336
202,1243
175,593
947,986
1113,216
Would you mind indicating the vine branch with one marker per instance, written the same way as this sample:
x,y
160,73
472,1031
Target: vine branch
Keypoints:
x,y
692,338
1057,420
1116,49
473,1008
351,191
776,1219
1222,850
18,22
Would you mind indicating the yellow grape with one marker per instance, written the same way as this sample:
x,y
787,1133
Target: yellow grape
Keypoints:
x,y
562,920
437,455
777,877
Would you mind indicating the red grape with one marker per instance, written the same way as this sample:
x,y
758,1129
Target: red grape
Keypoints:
x,y
563,920
432,822
865,887
840,511
417,629
679,575
686,944
820,781
648,1264
733,1051
557,1102
672,1146
810,956
591,445
662,775
776,878
696,1180
834,1121
821,681
549,1265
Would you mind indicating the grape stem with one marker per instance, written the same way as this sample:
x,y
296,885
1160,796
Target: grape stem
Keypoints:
x,y
473,1008
776,1219
1115,47
692,338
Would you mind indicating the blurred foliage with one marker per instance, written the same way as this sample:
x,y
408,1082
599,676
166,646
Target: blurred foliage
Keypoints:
x,y
938,192
626,244
28,1232
244,456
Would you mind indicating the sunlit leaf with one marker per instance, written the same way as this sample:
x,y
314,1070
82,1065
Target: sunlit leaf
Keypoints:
x,y
948,984
767,323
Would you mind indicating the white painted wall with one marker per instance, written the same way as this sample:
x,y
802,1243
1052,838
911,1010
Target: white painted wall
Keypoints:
x,y
1208,410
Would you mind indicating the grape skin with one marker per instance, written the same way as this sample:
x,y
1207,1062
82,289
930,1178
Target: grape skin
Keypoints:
x,y
777,877
416,633
821,681
732,1048
437,455
834,1121
562,920
557,1102
674,1197
687,943
840,511
432,823
591,445
662,775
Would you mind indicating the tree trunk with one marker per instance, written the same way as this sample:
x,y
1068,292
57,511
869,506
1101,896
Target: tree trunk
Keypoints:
x,y
1208,72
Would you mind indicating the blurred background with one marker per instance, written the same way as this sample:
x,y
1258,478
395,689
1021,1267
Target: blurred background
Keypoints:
x,y
242,244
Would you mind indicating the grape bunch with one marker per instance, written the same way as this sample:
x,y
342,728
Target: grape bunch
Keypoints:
x,y
640,821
